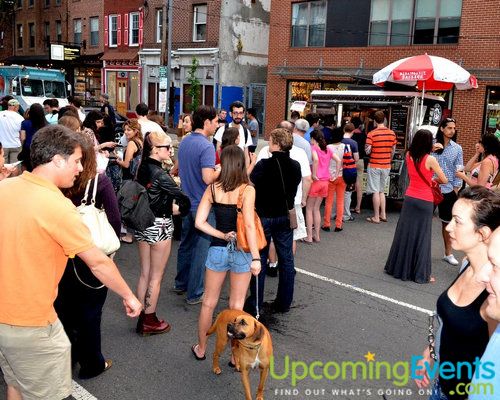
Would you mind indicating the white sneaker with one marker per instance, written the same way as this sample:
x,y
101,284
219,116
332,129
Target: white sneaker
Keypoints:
x,y
450,259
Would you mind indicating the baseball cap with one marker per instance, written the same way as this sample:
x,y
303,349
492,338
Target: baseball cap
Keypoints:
x,y
13,102
302,125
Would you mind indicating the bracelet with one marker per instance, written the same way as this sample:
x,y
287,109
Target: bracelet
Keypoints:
x,y
256,259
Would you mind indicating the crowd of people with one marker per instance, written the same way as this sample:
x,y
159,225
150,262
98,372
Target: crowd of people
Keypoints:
x,y
65,155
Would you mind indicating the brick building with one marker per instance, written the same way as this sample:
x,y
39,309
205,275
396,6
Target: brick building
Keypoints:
x,y
338,45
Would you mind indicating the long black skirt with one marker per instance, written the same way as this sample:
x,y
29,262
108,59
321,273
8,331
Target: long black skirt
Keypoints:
x,y
410,255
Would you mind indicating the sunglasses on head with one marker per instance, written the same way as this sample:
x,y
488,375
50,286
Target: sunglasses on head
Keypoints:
x,y
450,120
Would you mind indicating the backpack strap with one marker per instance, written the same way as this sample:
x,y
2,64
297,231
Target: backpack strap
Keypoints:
x,y
245,131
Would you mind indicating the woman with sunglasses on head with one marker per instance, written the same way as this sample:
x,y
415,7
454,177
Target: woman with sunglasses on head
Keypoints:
x,y
482,172
449,155
465,328
155,242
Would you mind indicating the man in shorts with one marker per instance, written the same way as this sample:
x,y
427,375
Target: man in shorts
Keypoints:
x,y
449,158
45,229
380,145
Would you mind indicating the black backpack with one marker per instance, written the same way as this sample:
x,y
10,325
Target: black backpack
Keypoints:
x,y
133,203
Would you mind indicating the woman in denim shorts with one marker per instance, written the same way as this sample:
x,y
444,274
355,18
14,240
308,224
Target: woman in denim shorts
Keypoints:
x,y
223,255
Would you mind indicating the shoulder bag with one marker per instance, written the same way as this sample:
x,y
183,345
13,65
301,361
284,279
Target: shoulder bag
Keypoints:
x,y
435,189
102,232
292,215
241,236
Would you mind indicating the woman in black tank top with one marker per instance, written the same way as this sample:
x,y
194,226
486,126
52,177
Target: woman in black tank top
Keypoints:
x,y
223,255
465,329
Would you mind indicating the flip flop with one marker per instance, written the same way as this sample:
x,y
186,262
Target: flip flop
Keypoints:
x,y
432,280
356,211
383,219
372,221
305,241
193,347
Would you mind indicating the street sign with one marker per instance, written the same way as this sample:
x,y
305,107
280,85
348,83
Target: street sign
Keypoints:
x,y
61,52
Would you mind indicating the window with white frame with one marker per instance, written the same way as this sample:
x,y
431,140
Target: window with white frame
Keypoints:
x,y
309,24
94,31
159,25
113,30
200,23
405,22
77,30
134,29
19,36
31,29
46,31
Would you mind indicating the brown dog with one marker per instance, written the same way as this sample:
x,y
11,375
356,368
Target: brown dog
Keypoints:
x,y
250,343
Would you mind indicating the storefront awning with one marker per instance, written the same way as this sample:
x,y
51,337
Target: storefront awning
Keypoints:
x,y
120,56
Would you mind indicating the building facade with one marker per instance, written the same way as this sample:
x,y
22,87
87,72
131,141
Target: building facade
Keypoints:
x,y
338,45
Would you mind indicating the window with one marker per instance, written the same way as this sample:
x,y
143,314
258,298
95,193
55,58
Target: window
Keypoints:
x,y
393,22
19,36
77,31
134,29
94,31
46,33
47,3
159,25
31,3
31,28
113,30
200,23
58,31
58,2
19,3
309,24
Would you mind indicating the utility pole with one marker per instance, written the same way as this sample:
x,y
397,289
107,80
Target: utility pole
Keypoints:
x,y
169,54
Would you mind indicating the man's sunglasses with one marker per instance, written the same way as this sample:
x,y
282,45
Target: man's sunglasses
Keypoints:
x,y
167,146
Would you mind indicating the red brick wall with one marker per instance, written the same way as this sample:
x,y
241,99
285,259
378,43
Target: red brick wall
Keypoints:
x,y
150,23
182,35
477,48
85,9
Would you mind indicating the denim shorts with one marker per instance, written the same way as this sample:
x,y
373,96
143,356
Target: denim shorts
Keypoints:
x,y
222,259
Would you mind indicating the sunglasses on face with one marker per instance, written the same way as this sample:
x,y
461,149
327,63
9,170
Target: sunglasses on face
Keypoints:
x,y
167,146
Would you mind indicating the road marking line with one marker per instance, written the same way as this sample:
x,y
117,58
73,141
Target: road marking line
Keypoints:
x,y
79,393
364,291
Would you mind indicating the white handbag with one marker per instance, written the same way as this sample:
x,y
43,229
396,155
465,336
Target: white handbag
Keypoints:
x,y
103,234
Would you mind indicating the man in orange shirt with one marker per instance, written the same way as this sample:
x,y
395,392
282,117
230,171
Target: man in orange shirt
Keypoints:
x,y
40,230
380,145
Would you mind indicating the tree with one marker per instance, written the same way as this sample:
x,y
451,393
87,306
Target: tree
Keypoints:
x,y
194,84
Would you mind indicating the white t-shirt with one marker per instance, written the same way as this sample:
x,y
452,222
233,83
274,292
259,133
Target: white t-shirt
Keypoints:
x,y
297,154
149,126
338,149
10,126
220,131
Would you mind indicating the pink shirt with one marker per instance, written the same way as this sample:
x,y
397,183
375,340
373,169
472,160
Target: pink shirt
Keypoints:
x,y
418,188
324,157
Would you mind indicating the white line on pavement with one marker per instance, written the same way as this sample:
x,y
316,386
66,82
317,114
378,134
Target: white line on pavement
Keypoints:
x,y
364,291
79,393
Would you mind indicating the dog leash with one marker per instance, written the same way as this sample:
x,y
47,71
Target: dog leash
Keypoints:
x,y
257,315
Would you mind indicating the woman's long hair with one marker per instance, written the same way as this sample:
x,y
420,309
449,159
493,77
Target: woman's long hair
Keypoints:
x,y
229,137
234,171
491,145
89,171
133,123
421,145
37,116
317,135
486,204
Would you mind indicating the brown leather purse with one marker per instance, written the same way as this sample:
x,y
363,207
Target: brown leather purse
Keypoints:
x,y
241,236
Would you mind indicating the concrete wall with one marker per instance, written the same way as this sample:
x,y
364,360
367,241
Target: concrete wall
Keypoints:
x,y
243,44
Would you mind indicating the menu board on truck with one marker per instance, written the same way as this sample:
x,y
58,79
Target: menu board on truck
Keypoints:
x,y
399,124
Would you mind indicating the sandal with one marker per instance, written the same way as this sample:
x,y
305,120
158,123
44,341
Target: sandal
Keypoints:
x,y
126,239
107,364
383,219
372,221
193,350
432,280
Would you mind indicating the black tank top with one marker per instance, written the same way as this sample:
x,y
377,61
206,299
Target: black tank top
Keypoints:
x,y
225,219
464,337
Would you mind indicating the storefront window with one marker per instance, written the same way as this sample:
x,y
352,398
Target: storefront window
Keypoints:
x,y
492,114
134,90
87,85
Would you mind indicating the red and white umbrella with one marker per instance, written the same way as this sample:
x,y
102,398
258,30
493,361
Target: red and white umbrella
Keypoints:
x,y
426,72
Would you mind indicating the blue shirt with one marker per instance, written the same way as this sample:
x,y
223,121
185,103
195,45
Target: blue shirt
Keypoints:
x,y
307,135
492,356
352,144
195,153
448,160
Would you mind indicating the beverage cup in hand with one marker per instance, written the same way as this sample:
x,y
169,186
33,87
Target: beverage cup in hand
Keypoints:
x,y
460,168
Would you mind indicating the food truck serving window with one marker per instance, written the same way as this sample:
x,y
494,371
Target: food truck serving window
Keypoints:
x,y
54,89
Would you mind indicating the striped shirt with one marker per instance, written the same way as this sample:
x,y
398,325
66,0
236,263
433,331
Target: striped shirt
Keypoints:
x,y
381,140
448,160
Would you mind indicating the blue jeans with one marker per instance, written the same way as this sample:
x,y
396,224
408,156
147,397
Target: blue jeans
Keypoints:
x,y
191,257
278,229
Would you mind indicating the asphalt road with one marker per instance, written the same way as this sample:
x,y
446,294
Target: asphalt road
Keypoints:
x,y
330,321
